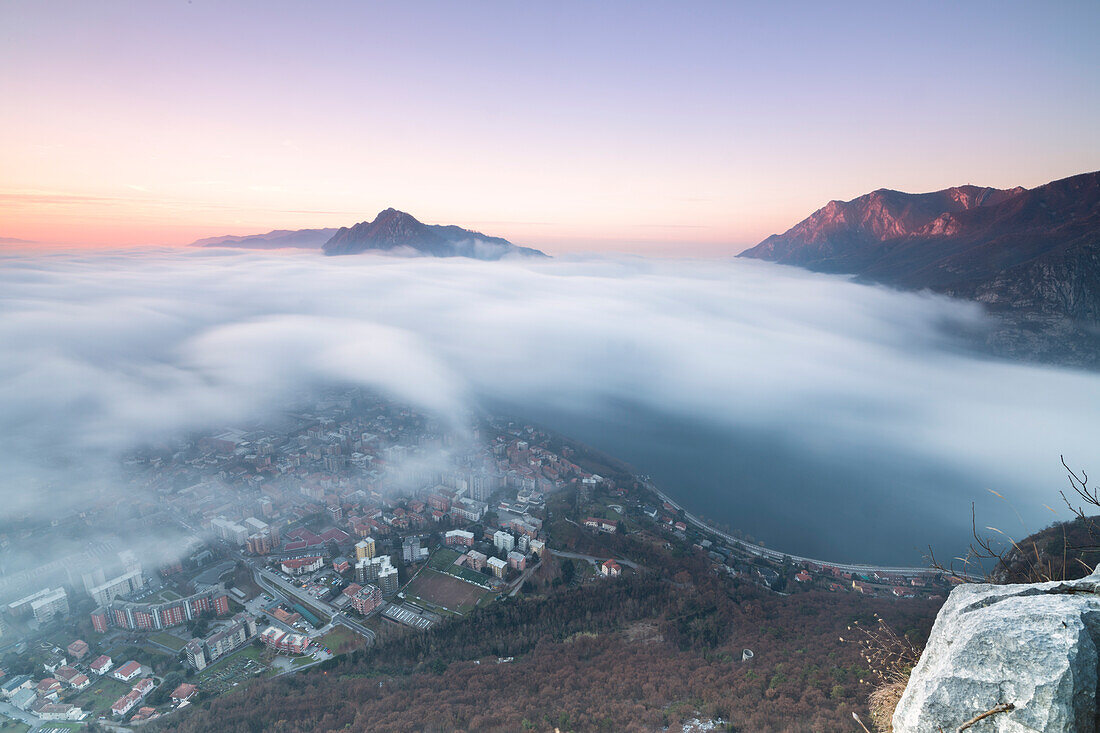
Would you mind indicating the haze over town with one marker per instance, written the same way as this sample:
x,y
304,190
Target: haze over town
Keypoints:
x,y
657,366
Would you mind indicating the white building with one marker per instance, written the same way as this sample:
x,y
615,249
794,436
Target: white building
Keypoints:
x,y
123,585
497,566
504,541
50,606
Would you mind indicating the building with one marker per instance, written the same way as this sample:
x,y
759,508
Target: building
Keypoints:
x,y
130,700
53,661
44,598
15,684
302,565
387,580
126,703
504,541
101,665
537,548
411,550
99,620
65,673
468,509
123,585
156,616
517,560
230,531
24,698
458,538
233,636
145,686
58,711
366,599
476,560
127,671
611,569
54,604
78,649
202,653
196,655
378,570
497,566
284,642
184,692
92,578
365,548
49,688
261,543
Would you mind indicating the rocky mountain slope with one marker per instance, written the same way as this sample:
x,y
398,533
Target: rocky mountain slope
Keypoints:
x,y
276,239
1030,255
396,231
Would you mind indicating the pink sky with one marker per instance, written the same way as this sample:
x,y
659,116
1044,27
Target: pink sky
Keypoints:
x,y
655,129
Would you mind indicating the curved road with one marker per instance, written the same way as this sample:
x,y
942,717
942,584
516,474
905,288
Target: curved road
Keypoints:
x,y
593,558
778,556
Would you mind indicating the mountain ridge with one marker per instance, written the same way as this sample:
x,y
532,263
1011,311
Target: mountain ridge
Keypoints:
x,y
275,239
1031,255
394,230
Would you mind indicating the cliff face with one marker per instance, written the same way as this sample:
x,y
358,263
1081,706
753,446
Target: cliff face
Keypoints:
x,y
1031,256
394,230
1027,652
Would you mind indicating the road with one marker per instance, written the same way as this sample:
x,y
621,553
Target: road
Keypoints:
x,y
277,585
779,556
523,578
592,558
10,711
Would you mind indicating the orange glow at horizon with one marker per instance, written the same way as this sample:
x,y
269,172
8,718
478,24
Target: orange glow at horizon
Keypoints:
x,y
568,128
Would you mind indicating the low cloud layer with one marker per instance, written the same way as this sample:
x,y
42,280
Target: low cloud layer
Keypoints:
x,y
101,351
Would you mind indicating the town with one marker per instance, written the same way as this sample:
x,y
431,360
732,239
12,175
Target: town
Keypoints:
x,y
276,548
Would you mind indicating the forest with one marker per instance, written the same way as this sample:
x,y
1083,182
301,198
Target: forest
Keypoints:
x,y
645,651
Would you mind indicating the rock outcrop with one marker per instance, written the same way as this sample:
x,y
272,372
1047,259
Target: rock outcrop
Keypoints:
x,y
1029,648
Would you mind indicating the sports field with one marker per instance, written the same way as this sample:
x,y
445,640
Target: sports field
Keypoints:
x,y
443,560
446,591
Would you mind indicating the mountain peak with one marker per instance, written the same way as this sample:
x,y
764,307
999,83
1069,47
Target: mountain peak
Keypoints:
x,y
397,231
1036,249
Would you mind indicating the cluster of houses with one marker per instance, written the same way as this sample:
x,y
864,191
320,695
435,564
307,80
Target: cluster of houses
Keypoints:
x,y
43,697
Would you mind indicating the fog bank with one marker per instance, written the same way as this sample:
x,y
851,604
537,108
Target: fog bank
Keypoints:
x,y
777,367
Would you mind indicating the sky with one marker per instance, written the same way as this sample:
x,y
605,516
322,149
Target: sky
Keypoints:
x,y
654,128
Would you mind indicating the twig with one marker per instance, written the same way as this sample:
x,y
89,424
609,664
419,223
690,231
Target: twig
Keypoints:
x,y
861,725
1002,708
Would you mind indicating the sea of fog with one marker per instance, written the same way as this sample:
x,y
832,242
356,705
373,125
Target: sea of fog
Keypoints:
x,y
821,416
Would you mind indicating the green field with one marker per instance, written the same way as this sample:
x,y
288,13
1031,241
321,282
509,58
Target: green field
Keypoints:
x,y
168,640
7,725
101,695
341,640
163,596
443,560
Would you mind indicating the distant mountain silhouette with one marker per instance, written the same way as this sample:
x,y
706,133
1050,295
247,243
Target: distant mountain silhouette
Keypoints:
x,y
277,239
394,230
1031,253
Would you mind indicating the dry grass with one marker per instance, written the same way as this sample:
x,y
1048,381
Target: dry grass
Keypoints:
x,y
890,658
882,702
